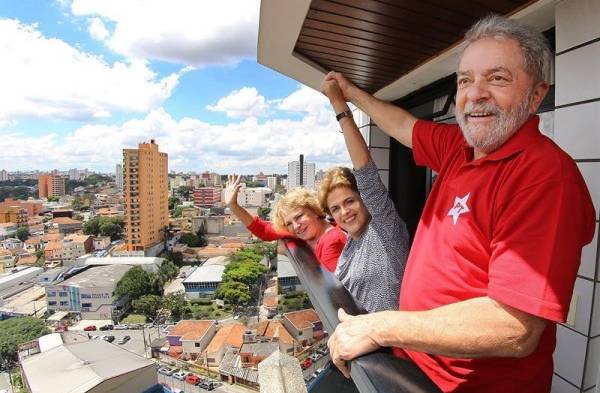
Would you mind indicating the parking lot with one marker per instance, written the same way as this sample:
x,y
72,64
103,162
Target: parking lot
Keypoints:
x,y
220,387
136,343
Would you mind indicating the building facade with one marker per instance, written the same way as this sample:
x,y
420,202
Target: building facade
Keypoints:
x,y
51,185
146,193
206,196
15,214
119,177
308,175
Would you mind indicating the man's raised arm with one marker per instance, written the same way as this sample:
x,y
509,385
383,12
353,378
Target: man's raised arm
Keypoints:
x,y
394,121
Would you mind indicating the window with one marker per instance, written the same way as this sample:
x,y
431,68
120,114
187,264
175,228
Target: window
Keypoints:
x,y
87,305
197,345
52,303
51,294
64,303
62,294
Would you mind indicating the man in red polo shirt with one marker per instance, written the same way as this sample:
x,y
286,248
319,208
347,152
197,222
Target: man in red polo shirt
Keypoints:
x,y
497,250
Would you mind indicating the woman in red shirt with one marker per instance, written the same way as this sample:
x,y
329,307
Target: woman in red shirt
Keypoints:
x,y
296,215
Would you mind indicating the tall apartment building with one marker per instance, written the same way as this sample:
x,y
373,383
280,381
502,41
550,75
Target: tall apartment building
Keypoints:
x,y
272,182
308,174
3,175
146,193
206,196
51,185
119,177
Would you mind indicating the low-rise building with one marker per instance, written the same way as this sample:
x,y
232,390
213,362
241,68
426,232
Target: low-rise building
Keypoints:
x,y
213,225
74,246
101,243
304,325
8,229
287,278
149,264
32,207
53,251
66,225
203,281
88,366
15,214
276,331
90,293
253,353
192,337
226,336
34,243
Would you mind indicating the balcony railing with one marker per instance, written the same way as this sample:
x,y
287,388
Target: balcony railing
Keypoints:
x,y
378,371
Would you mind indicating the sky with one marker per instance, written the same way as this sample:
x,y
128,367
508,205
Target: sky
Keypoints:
x,y
80,80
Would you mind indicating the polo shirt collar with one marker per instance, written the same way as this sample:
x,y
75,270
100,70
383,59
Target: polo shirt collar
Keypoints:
x,y
527,134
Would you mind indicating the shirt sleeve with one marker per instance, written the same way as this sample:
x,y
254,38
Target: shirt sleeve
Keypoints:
x,y
329,252
536,247
374,194
433,142
264,230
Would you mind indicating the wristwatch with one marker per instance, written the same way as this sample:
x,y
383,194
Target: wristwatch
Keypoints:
x,y
343,114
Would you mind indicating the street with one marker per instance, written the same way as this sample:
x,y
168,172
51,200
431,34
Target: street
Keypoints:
x,y
4,382
222,387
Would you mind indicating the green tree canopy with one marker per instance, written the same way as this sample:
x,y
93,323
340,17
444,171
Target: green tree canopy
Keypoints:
x,y
136,283
176,304
105,226
177,212
190,239
22,234
173,201
184,191
148,305
175,257
168,270
53,199
15,331
233,291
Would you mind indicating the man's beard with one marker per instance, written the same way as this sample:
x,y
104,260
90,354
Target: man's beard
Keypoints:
x,y
487,138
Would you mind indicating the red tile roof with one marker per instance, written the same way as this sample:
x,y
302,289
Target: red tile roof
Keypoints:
x,y
228,335
191,330
303,318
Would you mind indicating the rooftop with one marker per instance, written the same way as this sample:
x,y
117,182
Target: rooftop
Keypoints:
x,y
302,319
274,330
219,260
191,330
212,273
101,276
231,335
124,261
260,348
79,367
65,221
285,269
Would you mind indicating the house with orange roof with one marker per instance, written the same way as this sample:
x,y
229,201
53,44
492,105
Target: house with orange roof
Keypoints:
x,y
26,260
227,336
192,336
276,331
34,243
304,325
51,236
53,251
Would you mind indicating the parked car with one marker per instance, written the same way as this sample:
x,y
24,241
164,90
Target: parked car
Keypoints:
x,y
315,357
109,338
177,390
192,379
94,337
107,327
180,375
123,340
168,371
90,328
306,363
208,385
136,325
323,351
121,327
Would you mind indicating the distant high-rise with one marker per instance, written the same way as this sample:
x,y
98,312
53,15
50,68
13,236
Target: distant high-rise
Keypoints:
x,y
74,174
145,184
272,182
3,175
51,186
304,171
119,177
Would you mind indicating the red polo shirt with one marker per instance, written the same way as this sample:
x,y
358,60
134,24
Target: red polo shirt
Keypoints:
x,y
509,226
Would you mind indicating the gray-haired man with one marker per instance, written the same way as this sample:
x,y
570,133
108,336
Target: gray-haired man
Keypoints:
x,y
497,249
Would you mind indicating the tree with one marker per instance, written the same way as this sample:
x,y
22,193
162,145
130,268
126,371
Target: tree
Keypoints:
x,y
175,257
53,199
190,239
22,234
263,212
176,304
184,191
233,291
148,305
15,331
168,270
135,284
202,238
105,226
111,229
173,201
177,212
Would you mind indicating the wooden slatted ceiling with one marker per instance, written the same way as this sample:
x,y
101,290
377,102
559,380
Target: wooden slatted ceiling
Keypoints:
x,y
375,42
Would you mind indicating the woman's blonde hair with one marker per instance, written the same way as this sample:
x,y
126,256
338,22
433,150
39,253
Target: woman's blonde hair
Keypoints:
x,y
334,178
295,199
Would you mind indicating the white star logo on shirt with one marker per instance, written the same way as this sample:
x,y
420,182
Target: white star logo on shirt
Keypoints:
x,y
459,207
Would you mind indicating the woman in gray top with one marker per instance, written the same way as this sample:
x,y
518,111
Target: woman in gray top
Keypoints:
x,y
372,262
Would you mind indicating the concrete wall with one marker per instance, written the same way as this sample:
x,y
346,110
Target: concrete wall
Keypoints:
x,y
190,346
135,381
577,130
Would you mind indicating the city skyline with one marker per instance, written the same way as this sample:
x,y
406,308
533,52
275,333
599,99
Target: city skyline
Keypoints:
x,y
81,84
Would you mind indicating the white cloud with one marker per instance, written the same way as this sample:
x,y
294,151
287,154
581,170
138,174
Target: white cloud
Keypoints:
x,y
181,31
245,102
97,29
245,146
309,101
47,78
